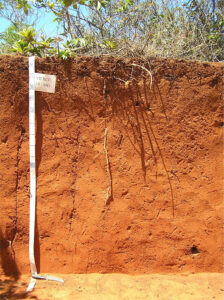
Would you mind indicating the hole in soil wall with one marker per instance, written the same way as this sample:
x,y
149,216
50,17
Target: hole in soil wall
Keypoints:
x,y
4,139
137,103
23,130
194,250
218,124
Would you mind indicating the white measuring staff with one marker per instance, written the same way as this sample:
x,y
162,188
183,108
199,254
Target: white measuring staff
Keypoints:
x,y
33,179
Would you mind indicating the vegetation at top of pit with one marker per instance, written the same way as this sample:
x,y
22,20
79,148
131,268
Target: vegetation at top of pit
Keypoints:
x,y
191,29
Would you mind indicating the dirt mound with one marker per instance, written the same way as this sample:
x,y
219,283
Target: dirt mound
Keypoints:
x,y
129,172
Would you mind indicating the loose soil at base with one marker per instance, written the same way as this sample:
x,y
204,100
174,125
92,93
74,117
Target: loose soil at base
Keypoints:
x,y
200,286
129,172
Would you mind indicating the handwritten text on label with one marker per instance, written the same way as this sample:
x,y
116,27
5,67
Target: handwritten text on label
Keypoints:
x,y
45,83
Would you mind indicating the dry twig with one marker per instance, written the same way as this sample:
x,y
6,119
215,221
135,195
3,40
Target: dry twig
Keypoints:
x,y
144,68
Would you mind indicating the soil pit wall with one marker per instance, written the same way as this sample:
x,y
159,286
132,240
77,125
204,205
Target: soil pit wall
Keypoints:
x,y
129,175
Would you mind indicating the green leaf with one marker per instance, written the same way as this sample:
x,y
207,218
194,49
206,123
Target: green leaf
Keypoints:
x,y
50,4
110,44
67,3
58,19
75,6
98,7
25,9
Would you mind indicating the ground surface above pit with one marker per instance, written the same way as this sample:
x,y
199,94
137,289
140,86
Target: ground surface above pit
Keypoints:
x,y
129,174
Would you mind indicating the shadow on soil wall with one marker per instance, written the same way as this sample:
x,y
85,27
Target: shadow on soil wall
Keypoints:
x,y
129,173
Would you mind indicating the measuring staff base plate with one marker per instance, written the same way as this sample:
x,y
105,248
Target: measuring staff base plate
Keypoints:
x,y
36,276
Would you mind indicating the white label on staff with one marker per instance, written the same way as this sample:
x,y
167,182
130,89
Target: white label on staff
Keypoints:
x,y
45,83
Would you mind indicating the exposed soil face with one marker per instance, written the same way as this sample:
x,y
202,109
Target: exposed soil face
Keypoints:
x,y
129,178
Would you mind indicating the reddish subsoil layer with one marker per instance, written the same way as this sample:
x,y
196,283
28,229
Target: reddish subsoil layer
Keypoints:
x,y
144,196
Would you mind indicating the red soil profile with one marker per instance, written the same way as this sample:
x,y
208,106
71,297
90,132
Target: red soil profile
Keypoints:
x,y
129,171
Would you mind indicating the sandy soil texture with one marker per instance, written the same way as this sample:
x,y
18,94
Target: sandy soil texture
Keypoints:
x,y
120,287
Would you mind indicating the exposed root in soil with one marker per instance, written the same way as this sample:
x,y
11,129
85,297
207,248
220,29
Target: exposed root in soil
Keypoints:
x,y
143,113
164,165
50,108
140,135
135,118
144,68
95,149
109,194
74,163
